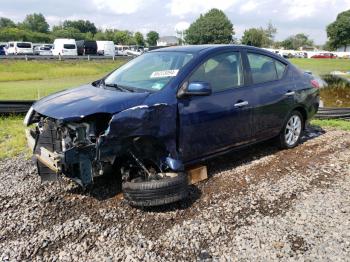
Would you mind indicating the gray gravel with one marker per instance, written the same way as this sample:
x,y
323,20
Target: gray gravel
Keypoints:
x,y
260,204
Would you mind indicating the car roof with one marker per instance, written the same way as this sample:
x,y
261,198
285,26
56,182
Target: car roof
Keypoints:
x,y
208,48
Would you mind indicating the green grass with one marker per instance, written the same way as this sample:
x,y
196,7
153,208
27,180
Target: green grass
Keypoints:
x,y
322,66
35,79
335,123
12,137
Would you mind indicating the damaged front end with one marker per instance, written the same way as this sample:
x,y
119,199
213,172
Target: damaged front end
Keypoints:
x,y
65,148
87,147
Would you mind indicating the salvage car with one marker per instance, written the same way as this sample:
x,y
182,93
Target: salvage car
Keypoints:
x,y
169,108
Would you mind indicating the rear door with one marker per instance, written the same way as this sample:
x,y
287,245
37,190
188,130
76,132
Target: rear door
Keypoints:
x,y
273,89
209,124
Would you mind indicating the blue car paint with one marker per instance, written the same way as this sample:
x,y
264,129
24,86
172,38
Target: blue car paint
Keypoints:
x,y
191,128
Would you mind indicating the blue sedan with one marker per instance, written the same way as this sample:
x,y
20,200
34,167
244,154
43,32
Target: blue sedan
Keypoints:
x,y
166,109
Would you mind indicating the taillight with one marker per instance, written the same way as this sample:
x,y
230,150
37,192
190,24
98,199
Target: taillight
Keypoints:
x,y
315,83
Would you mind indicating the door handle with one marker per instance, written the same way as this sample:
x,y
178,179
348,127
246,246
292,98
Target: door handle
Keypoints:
x,y
290,93
241,104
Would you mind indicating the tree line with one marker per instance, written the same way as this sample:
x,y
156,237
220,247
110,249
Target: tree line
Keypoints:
x,y
34,28
213,27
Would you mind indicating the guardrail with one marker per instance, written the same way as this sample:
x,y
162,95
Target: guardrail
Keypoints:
x,y
333,113
15,107
8,107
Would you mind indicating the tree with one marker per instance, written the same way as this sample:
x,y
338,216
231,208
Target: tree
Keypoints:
x,y
152,38
338,32
84,26
297,41
254,37
60,32
17,34
6,22
36,23
139,39
211,28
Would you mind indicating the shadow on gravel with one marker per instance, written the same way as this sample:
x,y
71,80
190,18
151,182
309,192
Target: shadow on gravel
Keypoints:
x,y
251,153
104,187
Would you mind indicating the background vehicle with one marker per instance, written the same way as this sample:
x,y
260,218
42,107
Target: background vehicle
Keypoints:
x,y
122,49
135,50
19,48
42,50
64,47
325,55
105,48
2,49
86,47
166,109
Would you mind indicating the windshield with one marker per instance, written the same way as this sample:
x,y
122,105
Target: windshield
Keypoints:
x,y
151,71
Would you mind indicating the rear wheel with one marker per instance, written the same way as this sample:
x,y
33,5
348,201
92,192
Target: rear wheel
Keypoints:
x,y
292,130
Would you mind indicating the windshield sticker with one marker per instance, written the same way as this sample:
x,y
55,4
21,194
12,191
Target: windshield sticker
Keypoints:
x,y
157,86
164,73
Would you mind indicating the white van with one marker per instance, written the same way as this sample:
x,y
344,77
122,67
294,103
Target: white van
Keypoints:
x,y
19,48
64,47
105,48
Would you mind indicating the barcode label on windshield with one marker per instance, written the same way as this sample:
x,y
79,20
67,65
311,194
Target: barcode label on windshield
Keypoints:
x,y
164,73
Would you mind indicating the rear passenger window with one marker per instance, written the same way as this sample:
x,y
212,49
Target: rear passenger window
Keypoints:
x,y
264,68
280,68
222,72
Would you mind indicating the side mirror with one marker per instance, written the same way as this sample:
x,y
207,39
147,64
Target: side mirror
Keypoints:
x,y
195,89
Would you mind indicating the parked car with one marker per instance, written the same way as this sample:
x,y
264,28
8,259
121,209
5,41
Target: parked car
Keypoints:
x,y
86,47
122,50
2,49
19,48
325,55
64,47
300,55
42,50
167,109
105,48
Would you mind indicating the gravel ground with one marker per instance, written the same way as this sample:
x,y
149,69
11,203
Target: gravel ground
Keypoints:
x,y
259,204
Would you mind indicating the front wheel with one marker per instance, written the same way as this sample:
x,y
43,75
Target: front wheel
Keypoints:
x,y
292,130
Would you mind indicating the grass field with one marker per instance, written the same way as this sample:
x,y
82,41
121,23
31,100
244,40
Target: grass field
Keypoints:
x,y
322,66
31,80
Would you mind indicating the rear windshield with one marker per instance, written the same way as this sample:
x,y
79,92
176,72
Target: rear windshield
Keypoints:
x,y
24,45
69,46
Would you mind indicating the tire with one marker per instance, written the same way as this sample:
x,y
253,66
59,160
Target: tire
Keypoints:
x,y
156,192
296,131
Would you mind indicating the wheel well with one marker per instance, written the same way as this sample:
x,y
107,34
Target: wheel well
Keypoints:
x,y
303,112
146,147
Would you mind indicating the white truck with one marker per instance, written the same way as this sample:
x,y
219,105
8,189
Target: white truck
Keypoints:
x,y
105,48
64,47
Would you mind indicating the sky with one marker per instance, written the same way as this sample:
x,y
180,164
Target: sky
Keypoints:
x,y
289,16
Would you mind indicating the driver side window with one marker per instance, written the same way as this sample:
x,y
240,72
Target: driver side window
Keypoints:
x,y
222,72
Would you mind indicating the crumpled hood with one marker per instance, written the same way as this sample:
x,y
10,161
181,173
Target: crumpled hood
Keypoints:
x,y
74,104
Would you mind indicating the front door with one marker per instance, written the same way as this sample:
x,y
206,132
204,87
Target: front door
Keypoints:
x,y
208,124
